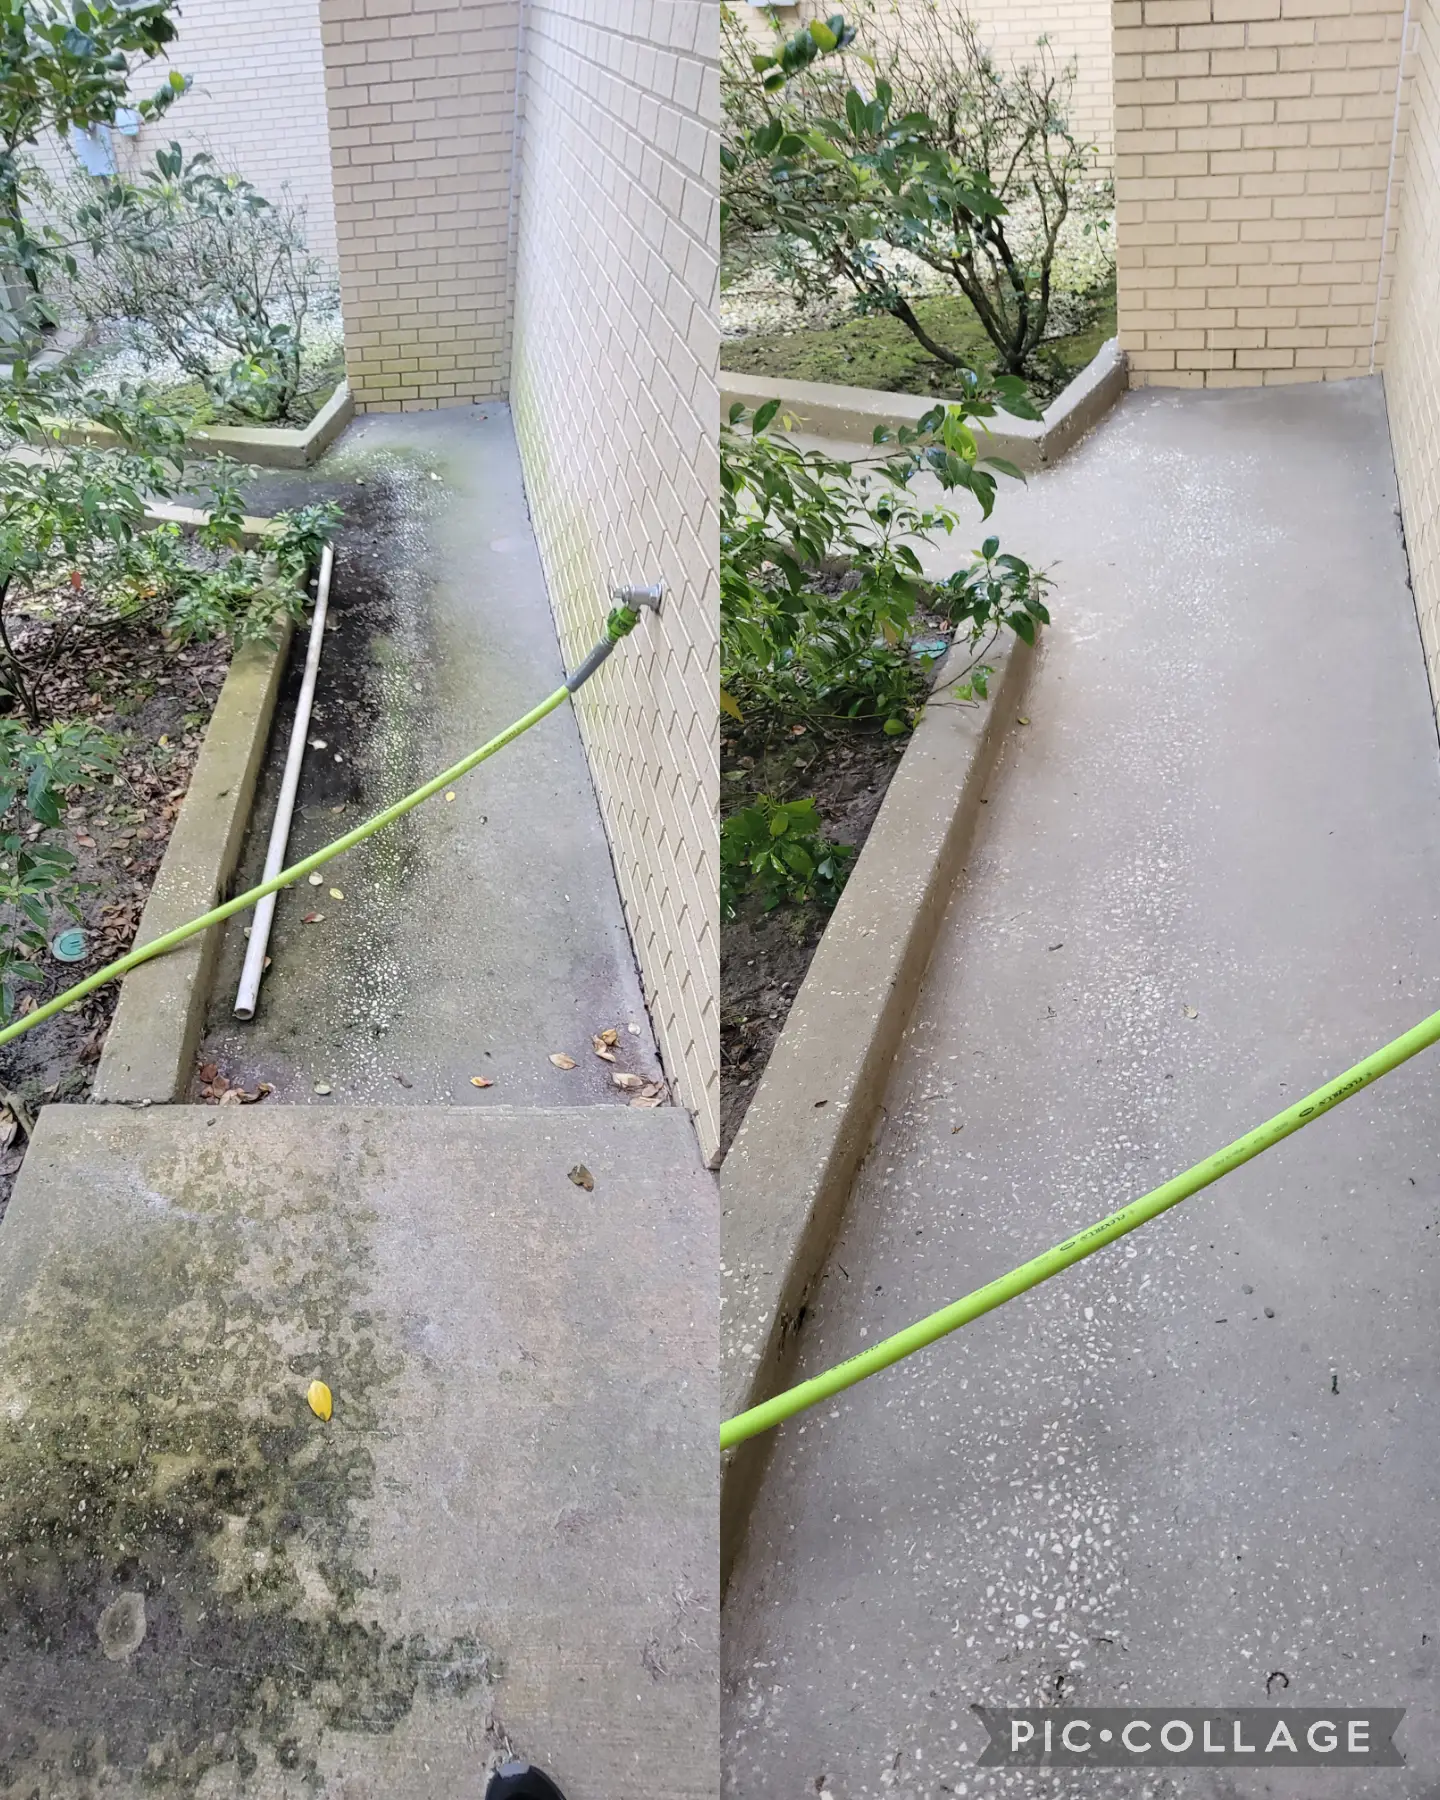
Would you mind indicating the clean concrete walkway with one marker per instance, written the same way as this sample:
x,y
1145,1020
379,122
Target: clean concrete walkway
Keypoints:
x,y
1202,1467
480,935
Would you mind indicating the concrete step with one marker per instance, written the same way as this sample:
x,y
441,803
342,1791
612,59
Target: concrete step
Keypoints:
x,y
505,1535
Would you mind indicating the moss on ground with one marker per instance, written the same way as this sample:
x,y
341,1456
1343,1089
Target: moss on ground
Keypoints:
x,y
879,352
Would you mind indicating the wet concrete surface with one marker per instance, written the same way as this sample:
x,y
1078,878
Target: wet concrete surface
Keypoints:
x,y
1199,1468
482,934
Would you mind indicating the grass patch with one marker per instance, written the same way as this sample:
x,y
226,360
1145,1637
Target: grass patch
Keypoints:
x,y
878,352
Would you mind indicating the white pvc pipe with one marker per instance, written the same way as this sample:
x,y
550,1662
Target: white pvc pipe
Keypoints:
x,y
254,969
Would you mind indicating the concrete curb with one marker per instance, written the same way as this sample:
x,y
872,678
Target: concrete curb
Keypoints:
x,y
150,1048
811,1123
851,414
269,446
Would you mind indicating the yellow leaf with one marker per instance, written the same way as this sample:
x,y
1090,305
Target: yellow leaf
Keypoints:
x,y
727,705
321,1403
480,1081
335,894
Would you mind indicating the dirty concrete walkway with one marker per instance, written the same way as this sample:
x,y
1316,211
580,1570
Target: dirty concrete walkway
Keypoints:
x,y
1201,1467
502,1540
479,935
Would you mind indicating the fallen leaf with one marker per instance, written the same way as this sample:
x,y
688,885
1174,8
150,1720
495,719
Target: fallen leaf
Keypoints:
x,y
602,1049
1022,720
448,798
322,1087
630,1083
612,1036
562,1061
582,1178
1192,1012
208,1071
322,1402
647,1100
335,894
315,880
313,919
481,1081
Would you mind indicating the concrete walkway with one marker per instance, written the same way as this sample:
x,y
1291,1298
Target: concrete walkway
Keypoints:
x,y
1202,1467
480,935
503,1541
504,1536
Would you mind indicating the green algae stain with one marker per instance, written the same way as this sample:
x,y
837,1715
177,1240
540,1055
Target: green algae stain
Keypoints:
x,y
184,1584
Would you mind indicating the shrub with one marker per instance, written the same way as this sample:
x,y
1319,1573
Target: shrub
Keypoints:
x,y
195,264
922,146
64,65
820,580
779,850
37,877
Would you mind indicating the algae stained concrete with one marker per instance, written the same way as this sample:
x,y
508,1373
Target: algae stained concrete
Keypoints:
x,y
504,1536
1199,1468
482,934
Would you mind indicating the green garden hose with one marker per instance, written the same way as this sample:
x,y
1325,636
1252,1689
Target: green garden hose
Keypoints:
x,y
620,623
905,1343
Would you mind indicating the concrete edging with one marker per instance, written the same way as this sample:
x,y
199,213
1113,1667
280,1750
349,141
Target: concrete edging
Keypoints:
x,y
812,1120
150,1048
851,414
269,446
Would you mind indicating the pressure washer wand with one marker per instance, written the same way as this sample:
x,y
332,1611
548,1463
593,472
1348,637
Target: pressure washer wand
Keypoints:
x,y
622,620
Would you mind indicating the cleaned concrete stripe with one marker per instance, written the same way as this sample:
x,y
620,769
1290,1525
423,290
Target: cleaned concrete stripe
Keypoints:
x,y
851,414
789,1172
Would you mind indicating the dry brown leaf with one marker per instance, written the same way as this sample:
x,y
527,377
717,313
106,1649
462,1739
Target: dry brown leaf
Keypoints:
x,y
313,919
630,1083
648,1100
602,1049
582,1178
612,1036
562,1061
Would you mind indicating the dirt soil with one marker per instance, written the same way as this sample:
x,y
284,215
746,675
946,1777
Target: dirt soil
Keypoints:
x,y
764,956
154,700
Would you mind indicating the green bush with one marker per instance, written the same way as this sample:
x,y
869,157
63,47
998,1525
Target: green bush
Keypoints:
x,y
779,850
37,876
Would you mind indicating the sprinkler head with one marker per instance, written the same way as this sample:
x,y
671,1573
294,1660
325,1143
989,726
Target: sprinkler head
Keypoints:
x,y
521,1781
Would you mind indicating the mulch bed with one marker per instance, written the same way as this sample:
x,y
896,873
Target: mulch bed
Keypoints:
x,y
764,956
154,700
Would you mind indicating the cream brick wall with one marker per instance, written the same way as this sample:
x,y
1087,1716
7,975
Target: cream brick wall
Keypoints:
x,y
1253,156
1075,28
617,408
422,97
1412,346
258,100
